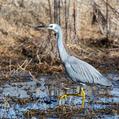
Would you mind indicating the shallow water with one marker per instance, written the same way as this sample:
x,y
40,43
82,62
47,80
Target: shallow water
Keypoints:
x,y
30,99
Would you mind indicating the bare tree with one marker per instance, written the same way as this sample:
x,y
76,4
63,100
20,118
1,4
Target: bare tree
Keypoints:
x,y
57,11
50,11
107,20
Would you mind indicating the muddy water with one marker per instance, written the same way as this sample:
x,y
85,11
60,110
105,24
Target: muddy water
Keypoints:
x,y
31,99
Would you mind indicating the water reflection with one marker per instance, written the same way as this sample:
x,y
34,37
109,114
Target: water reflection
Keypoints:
x,y
18,98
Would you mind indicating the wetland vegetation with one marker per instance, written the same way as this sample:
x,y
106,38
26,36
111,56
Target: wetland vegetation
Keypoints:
x,y
31,74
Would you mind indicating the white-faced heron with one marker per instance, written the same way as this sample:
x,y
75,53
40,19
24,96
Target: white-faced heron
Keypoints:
x,y
79,71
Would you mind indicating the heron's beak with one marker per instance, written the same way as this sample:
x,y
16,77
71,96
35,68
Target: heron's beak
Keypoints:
x,y
38,27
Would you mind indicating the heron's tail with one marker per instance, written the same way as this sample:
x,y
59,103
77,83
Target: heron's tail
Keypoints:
x,y
106,82
115,83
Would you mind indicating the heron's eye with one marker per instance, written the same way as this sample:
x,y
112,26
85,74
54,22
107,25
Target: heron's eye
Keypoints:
x,y
51,25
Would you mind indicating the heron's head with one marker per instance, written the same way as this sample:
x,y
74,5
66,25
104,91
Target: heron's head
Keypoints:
x,y
54,27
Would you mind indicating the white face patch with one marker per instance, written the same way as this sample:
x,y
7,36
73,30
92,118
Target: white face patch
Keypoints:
x,y
53,27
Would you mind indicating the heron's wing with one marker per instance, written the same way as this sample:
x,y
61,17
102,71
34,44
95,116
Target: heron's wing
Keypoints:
x,y
81,71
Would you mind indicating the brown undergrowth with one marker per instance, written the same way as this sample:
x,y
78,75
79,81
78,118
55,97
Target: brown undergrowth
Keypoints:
x,y
24,49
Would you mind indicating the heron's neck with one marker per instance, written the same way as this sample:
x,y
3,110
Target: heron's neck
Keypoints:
x,y
62,51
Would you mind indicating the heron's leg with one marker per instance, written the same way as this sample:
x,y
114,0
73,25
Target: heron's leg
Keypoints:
x,y
83,95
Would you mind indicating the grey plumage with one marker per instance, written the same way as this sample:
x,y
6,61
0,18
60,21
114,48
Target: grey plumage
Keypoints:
x,y
83,72
78,70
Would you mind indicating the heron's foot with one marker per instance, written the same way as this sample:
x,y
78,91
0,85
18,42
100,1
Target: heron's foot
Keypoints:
x,y
68,95
63,97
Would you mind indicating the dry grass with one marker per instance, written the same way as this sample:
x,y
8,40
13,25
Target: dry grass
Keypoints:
x,y
19,43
